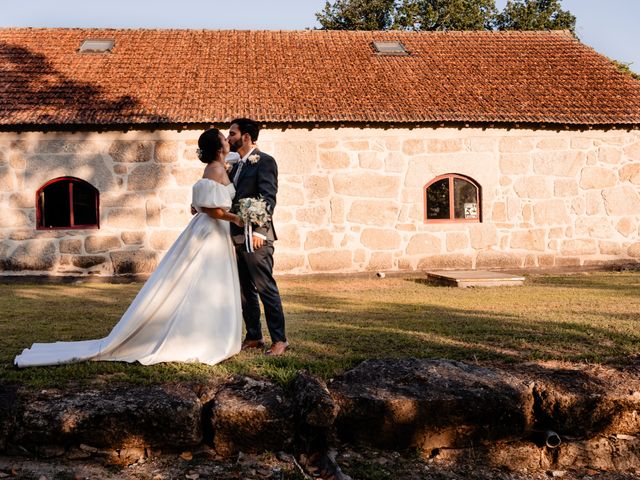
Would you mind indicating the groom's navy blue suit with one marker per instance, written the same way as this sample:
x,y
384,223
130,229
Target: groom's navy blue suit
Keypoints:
x,y
258,179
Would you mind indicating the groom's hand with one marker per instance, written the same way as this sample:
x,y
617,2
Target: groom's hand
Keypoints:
x,y
257,242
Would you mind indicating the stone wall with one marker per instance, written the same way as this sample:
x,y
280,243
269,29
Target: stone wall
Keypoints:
x,y
350,200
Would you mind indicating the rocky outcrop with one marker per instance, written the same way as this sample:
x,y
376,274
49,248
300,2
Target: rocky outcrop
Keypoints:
x,y
444,409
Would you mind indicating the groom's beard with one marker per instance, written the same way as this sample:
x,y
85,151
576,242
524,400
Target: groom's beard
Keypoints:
x,y
235,146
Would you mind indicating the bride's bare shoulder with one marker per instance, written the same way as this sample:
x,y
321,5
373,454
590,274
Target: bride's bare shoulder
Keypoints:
x,y
217,173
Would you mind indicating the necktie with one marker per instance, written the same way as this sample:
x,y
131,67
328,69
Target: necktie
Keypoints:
x,y
237,175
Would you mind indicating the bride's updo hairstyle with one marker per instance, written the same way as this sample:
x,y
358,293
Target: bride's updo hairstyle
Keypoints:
x,y
209,145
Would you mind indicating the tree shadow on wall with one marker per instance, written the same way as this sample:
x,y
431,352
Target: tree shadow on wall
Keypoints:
x,y
35,95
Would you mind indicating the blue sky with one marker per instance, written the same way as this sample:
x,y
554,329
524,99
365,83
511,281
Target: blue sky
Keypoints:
x,y
609,27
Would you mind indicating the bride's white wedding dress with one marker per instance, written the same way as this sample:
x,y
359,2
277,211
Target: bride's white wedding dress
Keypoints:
x,y
189,310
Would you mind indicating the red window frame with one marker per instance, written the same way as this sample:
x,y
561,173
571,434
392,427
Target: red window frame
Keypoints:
x,y
452,219
72,226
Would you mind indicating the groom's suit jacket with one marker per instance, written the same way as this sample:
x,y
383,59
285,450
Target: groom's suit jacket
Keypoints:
x,y
259,179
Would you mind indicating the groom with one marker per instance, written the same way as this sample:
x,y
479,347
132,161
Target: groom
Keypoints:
x,y
256,175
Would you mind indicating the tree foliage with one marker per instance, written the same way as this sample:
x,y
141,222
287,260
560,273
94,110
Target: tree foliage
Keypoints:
x,y
444,15
358,15
535,15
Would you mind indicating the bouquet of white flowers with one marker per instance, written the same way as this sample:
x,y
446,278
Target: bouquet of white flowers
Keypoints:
x,y
252,211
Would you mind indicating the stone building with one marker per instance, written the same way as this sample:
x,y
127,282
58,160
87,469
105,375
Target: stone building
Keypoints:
x,y
397,151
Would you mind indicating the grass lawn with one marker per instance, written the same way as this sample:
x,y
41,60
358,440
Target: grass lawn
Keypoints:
x,y
333,323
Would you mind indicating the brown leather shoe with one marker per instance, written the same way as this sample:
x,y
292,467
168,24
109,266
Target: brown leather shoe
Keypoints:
x,y
252,344
277,349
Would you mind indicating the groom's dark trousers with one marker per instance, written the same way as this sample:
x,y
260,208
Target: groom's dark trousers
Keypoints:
x,y
256,281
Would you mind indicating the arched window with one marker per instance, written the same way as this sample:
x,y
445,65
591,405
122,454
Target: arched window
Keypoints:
x,y
67,202
452,198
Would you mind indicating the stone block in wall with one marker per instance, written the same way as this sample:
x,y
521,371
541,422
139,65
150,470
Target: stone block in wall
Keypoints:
x,y
446,262
533,187
597,177
166,151
516,144
634,250
122,200
282,215
33,255
288,237
567,261
373,212
7,180
99,244
515,163
120,169
133,261
457,241
153,209
380,239
290,195
565,187
17,160
297,157
133,238
632,151
555,143
499,212
173,217
356,145
493,259
630,173
394,162
611,155
449,145
533,239
91,168
578,247
162,240
318,239
610,248
594,202
594,227
125,151
482,235
148,177
70,245
413,147
187,176
125,218
483,144
3,157
380,261
316,187
328,145
22,234
87,261
626,226
337,211
314,215
559,164
424,244
550,212
66,146
287,262
180,196
22,200
370,160
530,261
579,143
13,218
547,260
334,160
621,200
190,151
367,184
330,260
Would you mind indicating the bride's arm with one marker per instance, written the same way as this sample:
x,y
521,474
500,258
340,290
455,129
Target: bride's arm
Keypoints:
x,y
222,214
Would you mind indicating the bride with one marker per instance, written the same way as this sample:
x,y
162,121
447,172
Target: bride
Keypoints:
x,y
189,310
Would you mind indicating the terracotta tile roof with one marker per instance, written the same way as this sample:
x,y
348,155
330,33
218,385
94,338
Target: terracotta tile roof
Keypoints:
x,y
200,76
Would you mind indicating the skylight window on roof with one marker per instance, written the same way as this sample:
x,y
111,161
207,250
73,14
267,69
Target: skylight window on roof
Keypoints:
x,y
97,46
390,48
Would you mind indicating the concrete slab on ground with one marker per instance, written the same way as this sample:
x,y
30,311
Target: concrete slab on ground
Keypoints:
x,y
475,278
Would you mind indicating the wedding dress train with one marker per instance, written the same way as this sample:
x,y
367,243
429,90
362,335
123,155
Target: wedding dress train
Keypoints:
x,y
189,310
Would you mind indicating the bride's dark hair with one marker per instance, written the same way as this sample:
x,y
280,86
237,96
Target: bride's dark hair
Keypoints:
x,y
209,145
